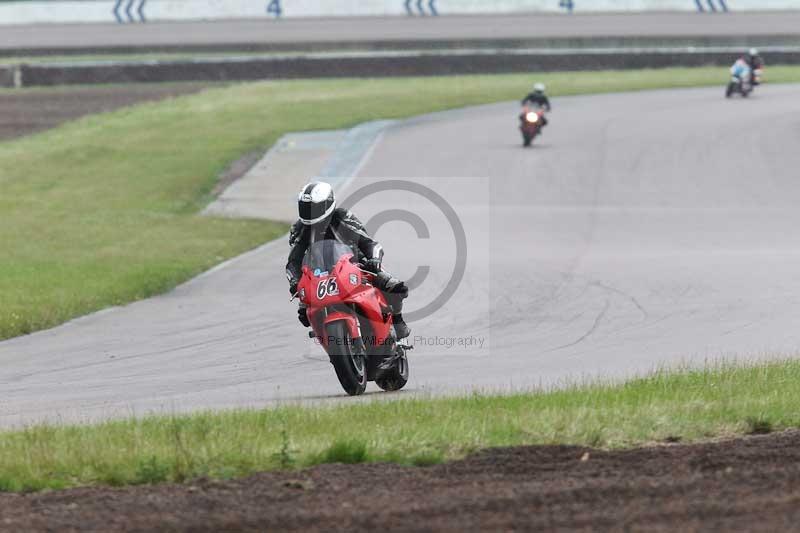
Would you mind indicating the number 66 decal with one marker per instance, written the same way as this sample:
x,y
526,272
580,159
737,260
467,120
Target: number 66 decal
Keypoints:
x,y
327,287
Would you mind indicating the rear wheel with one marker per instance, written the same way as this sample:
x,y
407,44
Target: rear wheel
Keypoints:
x,y
396,377
349,361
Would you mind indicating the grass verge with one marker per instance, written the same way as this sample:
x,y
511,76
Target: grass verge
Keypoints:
x,y
683,406
103,211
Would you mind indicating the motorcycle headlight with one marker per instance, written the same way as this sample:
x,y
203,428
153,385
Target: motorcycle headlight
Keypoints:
x,y
532,117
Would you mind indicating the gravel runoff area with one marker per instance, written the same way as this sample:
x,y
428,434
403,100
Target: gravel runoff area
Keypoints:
x,y
747,484
29,111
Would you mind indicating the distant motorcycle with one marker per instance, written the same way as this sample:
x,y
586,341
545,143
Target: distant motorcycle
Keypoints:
x,y
531,121
743,81
351,319
739,85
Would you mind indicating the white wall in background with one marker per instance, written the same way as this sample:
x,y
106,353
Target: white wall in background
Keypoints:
x,y
103,10
586,6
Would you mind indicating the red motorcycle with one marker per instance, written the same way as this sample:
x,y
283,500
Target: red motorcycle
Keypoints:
x,y
351,319
531,122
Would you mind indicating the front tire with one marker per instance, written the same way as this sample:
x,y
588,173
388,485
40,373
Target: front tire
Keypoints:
x,y
526,139
729,90
349,362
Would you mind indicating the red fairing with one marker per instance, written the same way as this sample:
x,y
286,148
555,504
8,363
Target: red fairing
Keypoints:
x,y
348,295
529,127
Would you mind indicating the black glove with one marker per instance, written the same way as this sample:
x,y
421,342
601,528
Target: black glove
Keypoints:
x,y
292,288
302,316
400,289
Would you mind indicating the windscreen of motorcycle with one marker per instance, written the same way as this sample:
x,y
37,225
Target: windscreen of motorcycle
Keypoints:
x,y
322,256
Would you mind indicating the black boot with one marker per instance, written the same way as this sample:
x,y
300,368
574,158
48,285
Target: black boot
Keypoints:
x,y
400,327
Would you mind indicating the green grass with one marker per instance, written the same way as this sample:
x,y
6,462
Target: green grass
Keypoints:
x,y
103,211
686,406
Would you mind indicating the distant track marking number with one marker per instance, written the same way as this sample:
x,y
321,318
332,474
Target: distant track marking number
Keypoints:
x,y
274,8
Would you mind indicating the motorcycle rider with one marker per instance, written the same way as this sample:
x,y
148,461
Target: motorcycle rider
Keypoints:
x,y
755,62
741,70
539,99
320,219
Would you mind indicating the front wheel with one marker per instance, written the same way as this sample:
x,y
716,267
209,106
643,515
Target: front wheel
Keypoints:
x,y
349,361
729,90
526,139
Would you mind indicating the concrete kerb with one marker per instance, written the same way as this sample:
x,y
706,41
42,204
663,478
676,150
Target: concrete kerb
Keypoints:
x,y
268,190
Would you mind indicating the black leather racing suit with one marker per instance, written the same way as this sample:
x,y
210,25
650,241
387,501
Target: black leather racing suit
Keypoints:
x,y
538,99
345,227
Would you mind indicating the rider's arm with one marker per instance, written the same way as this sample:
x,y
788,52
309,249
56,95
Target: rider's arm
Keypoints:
x,y
294,232
294,265
369,247
546,103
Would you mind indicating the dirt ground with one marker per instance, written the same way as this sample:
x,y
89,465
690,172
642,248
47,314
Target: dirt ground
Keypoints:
x,y
748,484
27,111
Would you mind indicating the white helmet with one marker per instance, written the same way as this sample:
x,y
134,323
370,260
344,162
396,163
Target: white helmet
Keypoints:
x,y
753,52
538,88
315,202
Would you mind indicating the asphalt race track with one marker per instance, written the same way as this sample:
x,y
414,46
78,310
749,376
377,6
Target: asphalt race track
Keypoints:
x,y
641,230
411,29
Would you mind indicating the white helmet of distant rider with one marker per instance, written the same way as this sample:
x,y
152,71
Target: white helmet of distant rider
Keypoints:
x,y
538,88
